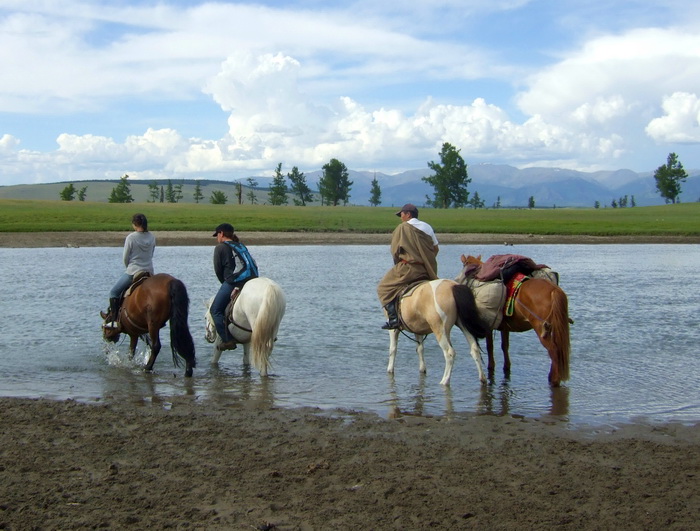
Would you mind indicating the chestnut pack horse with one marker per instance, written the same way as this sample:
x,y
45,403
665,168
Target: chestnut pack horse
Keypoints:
x,y
540,305
144,311
435,307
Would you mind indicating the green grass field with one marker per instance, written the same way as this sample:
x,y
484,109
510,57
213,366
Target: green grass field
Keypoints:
x,y
52,216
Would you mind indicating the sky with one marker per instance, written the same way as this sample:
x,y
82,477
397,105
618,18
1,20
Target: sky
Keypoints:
x,y
185,89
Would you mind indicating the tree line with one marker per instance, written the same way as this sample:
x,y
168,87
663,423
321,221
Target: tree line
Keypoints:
x,y
449,181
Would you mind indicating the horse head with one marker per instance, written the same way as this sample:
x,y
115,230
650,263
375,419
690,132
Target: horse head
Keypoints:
x,y
471,260
110,334
210,329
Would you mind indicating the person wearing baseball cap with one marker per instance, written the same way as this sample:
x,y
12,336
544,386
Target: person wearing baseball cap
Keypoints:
x,y
234,266
414,249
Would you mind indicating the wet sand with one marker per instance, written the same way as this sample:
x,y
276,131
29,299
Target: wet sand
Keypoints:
x,y
188,464
191,465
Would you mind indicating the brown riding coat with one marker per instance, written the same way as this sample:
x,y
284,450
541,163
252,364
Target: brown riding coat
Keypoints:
x,y
414,258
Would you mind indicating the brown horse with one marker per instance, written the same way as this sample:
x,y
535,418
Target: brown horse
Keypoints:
x,y
540,305
145,310
435,307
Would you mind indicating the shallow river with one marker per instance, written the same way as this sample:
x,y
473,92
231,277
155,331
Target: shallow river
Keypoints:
x,y
634,341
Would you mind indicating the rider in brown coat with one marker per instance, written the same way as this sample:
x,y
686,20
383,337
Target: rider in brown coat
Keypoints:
x,y
414,249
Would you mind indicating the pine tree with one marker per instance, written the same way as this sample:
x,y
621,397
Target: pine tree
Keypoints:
x,y
334,186
122,192
299,187
450,180
278,189
198,196
375,197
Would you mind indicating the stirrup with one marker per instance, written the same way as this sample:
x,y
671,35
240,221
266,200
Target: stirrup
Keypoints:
x,y
389,325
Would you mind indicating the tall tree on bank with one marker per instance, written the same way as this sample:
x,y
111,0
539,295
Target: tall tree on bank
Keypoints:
x,y
450,180
252,183
218,198
82,193
68,193
153,192
122,192
375,193
669,178
334,186
198,195
278,189
299,187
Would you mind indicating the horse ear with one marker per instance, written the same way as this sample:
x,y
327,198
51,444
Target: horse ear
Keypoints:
x,y
463,259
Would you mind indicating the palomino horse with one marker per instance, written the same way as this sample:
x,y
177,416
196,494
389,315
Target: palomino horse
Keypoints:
x,y
145,310
435,307
540,305
255,320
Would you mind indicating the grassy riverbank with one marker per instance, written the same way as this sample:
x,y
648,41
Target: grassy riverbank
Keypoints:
x,y
59,216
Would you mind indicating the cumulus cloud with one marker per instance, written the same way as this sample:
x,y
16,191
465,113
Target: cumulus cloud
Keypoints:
x,y
365,83
681,120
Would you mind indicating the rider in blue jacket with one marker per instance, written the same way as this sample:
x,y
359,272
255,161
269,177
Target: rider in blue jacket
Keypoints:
x,y
234,266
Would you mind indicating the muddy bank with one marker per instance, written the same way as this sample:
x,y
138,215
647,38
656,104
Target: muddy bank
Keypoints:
x,y
167,238
191,465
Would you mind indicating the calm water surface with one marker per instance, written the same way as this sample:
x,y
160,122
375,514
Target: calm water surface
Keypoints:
x,y
634,341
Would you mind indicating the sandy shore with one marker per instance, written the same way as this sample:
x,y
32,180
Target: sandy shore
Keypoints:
x,y
185,464
189,465
167,238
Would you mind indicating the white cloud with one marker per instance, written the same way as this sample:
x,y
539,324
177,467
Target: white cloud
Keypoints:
x,y
8,143
681,121
377,86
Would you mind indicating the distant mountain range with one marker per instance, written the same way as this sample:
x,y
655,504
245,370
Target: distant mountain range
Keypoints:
x,y
510,186
549,186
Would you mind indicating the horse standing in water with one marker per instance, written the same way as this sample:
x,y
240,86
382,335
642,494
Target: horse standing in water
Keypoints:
x,y
435,307
146,308
254,322
540,305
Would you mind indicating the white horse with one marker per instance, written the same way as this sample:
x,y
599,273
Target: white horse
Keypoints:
x,y
256,319
435,307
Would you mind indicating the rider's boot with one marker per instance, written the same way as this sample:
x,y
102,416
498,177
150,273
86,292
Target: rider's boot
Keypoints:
x,y
393,322
112,317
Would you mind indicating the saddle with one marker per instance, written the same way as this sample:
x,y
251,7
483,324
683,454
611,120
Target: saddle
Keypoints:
x,y
139,279
408,290
229,307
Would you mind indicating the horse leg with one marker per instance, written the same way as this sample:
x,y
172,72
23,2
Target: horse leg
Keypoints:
x,y
489,350
246,358
133,340
449,352
475,352
505,345
420,349
217,352
155,349
393,344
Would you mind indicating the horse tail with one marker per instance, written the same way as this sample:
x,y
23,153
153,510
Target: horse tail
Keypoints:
x,y
266,325
467,311
181,341
559,321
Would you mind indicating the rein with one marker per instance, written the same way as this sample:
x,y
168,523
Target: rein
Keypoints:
x,y
517,301
132,323
234,323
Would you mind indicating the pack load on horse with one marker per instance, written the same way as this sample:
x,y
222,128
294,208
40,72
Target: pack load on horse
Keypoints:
x,y
253,319
436,306
150,303
514,294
